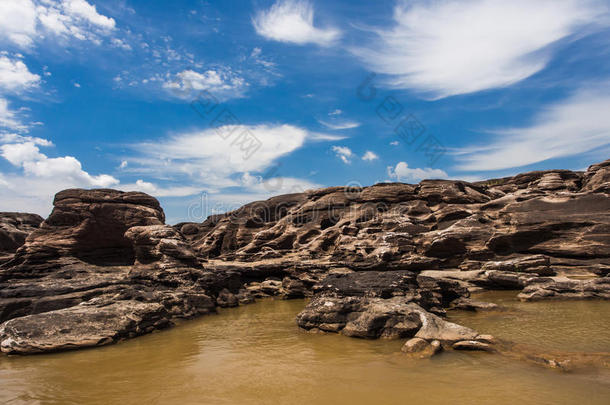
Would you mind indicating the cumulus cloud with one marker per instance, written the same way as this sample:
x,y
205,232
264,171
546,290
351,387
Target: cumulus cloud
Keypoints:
x,y
27,155
344,153
402,172
221,83
370,156
15,75
22,22
18,21
444,48
575,125
292,21
37,177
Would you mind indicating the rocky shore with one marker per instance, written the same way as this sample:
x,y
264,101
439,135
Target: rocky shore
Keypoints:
x,y
385,261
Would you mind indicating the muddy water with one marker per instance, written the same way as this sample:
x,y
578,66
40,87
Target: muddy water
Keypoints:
x,y
256,355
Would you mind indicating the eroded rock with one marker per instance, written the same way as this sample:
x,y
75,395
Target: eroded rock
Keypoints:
x,y
545,288
81,326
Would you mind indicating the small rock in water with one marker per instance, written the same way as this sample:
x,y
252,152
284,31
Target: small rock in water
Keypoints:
x,y
421,348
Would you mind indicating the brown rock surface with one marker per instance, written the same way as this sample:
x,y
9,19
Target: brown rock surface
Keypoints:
x,y
380,261
14,228
520,224
101,268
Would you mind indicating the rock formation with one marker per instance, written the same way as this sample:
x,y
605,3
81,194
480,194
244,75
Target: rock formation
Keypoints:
x,y
101,268
14,228
537,223
381,261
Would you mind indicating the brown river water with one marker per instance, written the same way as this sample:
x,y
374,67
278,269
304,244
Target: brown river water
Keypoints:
x,y
256,355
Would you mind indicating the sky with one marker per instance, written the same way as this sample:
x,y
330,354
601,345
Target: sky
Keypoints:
x,y
208,105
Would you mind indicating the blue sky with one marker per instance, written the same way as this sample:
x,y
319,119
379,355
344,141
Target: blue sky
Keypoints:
x,y
211,104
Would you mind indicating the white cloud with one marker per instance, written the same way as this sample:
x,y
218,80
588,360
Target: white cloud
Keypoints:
x,y
215,162
336,112
222,84
445,48
9,118
15,75
271,186
370,156
16,138
318,136
158,191
394,143
18,21
212,155
402,172
39,177
119,43
27,155
22,22
344,153
256,55
339,124
88,12
293,21
576,125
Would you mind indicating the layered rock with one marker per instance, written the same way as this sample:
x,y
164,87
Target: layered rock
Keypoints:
x,y
101,268
14,228
380,261
537,222
545,288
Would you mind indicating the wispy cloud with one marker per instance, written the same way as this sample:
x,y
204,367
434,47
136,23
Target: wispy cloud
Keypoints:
x,y
344,153
293,21
336,121
572,126
444,48
10,119
210,162
339,124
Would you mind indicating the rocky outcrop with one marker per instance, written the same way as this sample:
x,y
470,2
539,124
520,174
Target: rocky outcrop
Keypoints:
x,y
538,223
80,326
381,261
101,268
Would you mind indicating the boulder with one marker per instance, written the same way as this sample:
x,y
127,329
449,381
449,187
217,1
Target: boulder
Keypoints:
x,y
421,348
81,326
